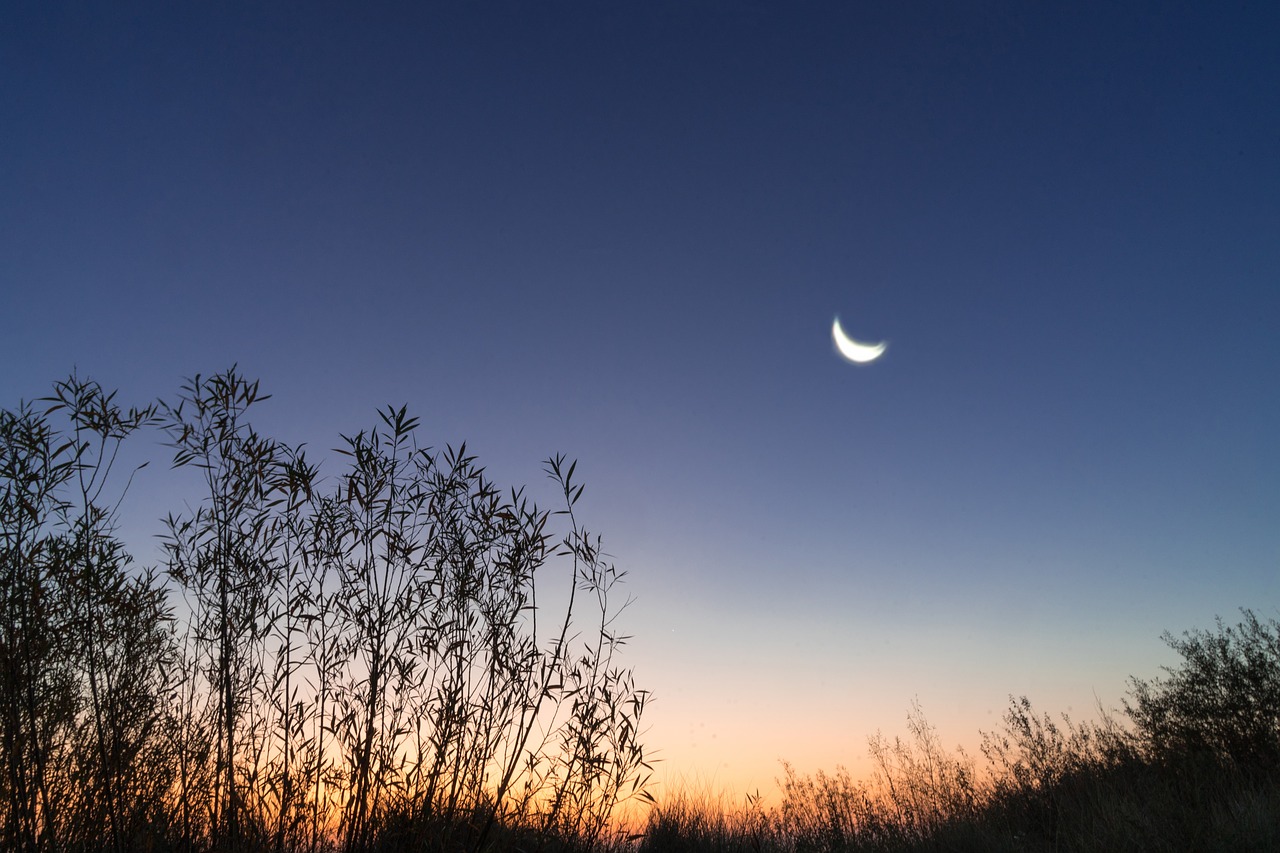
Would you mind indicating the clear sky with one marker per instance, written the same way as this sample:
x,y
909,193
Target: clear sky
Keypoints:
x,y
621,230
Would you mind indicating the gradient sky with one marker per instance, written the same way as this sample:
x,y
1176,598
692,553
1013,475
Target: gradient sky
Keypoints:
x,y
621,230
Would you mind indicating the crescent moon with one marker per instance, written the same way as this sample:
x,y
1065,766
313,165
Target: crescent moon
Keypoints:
x,y
859,353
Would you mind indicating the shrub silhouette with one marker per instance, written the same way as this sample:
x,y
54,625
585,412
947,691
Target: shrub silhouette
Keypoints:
x,y
85,649
363,663
1191,765
1222,703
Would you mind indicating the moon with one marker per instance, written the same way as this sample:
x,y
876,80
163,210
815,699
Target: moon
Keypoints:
x,y
858,353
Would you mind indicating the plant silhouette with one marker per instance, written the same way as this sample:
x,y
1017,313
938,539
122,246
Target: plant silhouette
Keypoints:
x,y
1190,766
404,656
320,663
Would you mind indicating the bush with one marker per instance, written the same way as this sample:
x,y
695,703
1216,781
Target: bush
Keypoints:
x,y
367,662
1222,704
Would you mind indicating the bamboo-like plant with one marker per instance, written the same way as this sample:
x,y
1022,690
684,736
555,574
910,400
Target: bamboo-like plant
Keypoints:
x,y
118,625
363,660
85,643
37,692
221,554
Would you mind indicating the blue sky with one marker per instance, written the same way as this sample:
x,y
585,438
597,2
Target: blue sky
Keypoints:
x,y
621,231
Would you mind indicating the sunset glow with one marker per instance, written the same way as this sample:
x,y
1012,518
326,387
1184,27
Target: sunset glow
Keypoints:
x,y
618,235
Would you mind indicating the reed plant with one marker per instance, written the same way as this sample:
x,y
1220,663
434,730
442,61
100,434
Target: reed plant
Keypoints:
x,y
348,662
85,646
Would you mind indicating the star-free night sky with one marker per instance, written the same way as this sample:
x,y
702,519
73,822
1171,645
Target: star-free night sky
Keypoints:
x,y
621,230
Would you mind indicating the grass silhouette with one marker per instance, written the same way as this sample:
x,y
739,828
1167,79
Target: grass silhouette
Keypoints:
x,y
1191,765
372,662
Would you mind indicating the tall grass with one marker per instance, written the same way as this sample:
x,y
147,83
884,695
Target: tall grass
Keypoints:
x,y
1191,765
343,662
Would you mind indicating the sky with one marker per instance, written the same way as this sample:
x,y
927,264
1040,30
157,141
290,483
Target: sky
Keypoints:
x,y
621,231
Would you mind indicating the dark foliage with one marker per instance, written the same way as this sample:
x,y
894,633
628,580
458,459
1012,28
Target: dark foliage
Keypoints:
x,y
1192,768
1222,704
365,664
362,664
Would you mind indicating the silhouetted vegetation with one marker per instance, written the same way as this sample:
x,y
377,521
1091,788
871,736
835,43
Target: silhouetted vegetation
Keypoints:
x,y
86,655
360,663
1191,766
